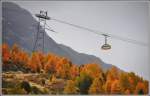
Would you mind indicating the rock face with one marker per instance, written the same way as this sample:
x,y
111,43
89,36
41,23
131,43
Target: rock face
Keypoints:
x,y
18,27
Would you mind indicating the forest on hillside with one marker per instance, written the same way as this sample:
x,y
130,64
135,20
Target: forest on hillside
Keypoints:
x,y
39,73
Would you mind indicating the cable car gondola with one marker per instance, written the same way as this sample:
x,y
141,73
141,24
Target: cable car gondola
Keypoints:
x,y
105,46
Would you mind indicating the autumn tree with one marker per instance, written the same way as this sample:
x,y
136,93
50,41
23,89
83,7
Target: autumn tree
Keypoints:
x,y
63,68
83,82
34,63
50,66
96,87
15,54
133,80
112,73
50,63
93,70
23,58
41,57
74,71
115,87
107,86
16,57
112,76
124,81
141,88
70,88
5,57
146,84
5,53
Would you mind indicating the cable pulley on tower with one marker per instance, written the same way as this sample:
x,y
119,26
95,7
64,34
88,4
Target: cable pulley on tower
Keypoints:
x,y
43,15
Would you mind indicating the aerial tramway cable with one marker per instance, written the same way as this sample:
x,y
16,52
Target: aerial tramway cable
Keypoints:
x,y
102,33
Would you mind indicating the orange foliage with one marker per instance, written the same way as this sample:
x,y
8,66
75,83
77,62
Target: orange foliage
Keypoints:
x,y
70,87
5,53
50,66
113,73
63,68
74,71
96,87
108,86
92,70
127,92
34,62
115,87
131,80
140,88
15,54
111,82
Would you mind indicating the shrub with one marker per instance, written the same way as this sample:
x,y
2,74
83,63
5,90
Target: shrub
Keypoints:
x,y
26,86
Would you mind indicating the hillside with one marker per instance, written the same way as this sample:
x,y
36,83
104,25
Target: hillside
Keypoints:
x,y
19,27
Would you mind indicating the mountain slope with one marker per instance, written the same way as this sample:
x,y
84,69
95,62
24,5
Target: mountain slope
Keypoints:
x,y
18,27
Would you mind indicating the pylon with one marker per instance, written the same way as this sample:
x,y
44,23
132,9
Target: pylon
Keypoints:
x,y
39,40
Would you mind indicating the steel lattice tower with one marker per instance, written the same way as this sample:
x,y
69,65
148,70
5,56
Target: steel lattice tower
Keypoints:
x,y
39,40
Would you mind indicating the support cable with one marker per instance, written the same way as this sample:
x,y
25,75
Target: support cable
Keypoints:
x,y
102,33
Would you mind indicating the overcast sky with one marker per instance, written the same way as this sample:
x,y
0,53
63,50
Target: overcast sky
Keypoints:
x,y
124,19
